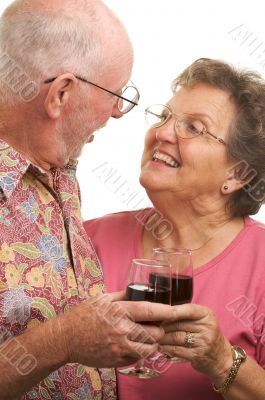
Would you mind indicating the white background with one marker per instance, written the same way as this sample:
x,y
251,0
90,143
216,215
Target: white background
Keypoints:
x,y
167,36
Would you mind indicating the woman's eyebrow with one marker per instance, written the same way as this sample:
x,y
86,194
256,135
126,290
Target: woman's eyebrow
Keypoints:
x,y
203,116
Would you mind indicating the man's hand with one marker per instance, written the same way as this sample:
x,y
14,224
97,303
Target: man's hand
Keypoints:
x,y
101,332
106,332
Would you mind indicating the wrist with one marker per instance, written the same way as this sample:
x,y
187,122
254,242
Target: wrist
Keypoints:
x,y
239,356
58,332
220,372
221,363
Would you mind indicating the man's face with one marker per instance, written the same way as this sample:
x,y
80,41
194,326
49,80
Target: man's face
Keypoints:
x,y
94,106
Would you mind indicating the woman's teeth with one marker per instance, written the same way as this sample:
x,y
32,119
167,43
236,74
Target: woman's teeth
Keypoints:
x,y
166,159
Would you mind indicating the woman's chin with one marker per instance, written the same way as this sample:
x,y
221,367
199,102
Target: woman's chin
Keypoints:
x,y
150,181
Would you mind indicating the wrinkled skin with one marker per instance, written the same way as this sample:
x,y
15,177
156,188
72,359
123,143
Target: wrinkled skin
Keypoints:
x,y
102,332
211,352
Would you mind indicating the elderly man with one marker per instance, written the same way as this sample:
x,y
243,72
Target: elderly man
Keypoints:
x,y
63,67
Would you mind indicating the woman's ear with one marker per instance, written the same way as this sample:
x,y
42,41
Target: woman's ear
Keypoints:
x,y
238,176
59,94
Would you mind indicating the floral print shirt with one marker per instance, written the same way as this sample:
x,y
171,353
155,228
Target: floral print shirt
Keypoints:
x,y
47,266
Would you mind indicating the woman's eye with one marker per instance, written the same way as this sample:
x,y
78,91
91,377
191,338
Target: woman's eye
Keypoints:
x,y
163,117
195,127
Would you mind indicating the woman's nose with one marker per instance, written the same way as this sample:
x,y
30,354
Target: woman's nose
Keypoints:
x,y
166,132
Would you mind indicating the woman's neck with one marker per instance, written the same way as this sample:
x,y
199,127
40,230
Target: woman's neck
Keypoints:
x,y
207,236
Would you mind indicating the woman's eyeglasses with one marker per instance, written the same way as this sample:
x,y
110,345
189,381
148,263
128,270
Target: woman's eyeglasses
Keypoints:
x,y
186,127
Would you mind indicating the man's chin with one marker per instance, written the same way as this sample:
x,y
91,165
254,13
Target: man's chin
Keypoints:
x,y
76,153
90,138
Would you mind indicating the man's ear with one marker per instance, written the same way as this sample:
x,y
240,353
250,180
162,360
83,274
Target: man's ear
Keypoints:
x,y
238,176
59,94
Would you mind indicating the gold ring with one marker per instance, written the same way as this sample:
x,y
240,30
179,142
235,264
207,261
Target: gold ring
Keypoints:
x,y
189,340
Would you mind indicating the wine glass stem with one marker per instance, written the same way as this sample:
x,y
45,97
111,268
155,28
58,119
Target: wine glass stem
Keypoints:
x,y
139,366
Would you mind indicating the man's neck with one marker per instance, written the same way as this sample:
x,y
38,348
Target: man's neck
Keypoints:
x,y
25,152
20,134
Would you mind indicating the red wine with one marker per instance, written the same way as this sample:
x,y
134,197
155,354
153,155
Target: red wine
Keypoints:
x,y
181,287
181,291
145,292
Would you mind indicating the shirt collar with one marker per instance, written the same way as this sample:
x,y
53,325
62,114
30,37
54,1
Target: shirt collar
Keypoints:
x,y
13,166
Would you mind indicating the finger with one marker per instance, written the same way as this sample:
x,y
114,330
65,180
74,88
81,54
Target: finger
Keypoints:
x,y
185,325
105,299
191,311
143,350
174,338
117,296
146,311
156,332
146,333
177,351
127,360
132,351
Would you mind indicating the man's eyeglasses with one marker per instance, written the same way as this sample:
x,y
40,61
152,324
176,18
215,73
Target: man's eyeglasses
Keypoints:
x,y
188,127
125,104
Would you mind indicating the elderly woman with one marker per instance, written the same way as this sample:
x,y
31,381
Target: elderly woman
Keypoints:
x,y
203,168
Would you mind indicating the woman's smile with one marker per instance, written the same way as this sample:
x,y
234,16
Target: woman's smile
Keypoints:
x,y
165,159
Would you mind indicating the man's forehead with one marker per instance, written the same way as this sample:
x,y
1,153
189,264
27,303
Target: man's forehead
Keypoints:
x,y
63,5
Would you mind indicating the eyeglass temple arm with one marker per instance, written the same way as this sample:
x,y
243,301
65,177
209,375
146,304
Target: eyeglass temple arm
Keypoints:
x,y
150,112
108,91
100,87
215,137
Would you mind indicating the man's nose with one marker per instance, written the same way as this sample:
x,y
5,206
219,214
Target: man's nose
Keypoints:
x,y
115,111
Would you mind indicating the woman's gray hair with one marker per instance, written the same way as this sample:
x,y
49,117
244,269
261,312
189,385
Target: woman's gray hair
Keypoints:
x,y
39,44
246,140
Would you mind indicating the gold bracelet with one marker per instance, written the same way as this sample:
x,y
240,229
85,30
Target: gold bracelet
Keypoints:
x,y
239,356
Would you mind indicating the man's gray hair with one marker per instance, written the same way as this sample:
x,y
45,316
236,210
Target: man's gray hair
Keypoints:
x,y
43,43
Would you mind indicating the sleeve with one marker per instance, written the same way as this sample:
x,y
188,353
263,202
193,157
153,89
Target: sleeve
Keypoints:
x,y
259,331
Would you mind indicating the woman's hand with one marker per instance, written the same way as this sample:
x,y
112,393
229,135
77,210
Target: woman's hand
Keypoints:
x,y
197,337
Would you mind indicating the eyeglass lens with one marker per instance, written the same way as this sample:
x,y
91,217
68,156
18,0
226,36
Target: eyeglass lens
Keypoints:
x,y
131,94
187,127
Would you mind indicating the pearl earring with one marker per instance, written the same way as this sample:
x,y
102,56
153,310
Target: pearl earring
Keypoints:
x,y
225,187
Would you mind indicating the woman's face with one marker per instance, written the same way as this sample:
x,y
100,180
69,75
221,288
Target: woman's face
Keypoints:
x,y
200,165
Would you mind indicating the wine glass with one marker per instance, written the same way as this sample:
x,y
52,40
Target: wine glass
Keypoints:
x,y
181,277
148,280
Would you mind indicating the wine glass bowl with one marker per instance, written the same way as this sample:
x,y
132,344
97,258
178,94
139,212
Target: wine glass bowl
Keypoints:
x,y
181,276
148,280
